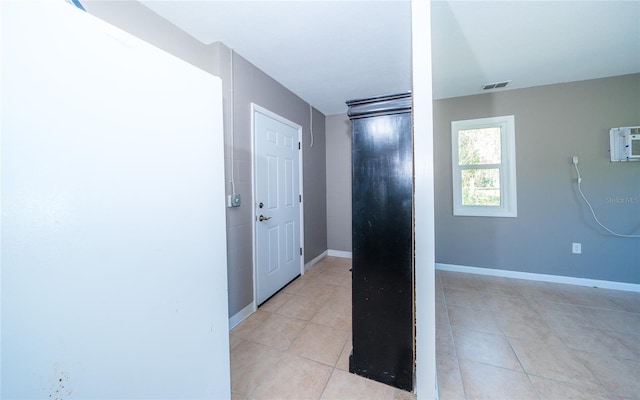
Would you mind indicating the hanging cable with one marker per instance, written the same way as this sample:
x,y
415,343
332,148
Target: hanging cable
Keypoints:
x,y
311,124
593,212
231,124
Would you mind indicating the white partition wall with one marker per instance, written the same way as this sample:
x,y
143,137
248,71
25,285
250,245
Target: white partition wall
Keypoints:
x,y
426,382
113,222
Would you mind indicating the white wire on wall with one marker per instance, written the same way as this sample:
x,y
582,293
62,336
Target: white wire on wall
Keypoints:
x,y
311,123
593,212
231,124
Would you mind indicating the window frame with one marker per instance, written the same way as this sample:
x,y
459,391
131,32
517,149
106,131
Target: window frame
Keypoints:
x,y
508,191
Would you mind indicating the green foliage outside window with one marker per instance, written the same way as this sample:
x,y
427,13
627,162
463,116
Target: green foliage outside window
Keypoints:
x,y
479,155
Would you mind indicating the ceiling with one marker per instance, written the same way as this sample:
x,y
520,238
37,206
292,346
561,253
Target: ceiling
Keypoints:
x,y
328,52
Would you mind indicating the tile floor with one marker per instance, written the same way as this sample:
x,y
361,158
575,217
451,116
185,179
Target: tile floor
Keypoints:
x,y
297,345
496,338
500,338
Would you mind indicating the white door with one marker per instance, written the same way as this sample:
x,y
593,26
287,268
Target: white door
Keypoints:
x,y
277,202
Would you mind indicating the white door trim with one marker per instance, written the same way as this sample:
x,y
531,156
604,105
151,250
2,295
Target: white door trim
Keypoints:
x,y
256,108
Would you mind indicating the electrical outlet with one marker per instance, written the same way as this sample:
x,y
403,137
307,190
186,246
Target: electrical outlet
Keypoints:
x,y
576,248
233,200
574,160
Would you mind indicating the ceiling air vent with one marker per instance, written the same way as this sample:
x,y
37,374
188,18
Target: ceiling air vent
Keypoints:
x,y
495,85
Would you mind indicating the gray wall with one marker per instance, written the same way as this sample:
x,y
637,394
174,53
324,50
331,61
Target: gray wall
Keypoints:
x,y
249,85
315,188
552,123
339,182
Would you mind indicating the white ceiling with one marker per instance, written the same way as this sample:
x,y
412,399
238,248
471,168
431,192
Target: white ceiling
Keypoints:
x,y
328,52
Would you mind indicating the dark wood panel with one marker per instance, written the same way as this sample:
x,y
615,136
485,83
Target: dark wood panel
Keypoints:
x,y
382,190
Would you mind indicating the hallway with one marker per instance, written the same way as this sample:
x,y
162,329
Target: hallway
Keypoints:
x,y
297,345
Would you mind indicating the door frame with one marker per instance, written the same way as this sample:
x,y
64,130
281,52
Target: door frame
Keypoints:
x,y
256,108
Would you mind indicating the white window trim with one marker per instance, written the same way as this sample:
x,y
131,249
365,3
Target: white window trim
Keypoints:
x,y
508,192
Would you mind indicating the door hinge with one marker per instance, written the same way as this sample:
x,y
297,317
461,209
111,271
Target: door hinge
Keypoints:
x,y
300,250
299,146
300,198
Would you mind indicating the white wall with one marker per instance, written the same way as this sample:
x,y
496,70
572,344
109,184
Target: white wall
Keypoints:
x,y
113,238
424,177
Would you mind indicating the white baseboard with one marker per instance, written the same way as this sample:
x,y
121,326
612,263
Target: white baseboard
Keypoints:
x,y
339,253
241,315
251,308
315,260
629,287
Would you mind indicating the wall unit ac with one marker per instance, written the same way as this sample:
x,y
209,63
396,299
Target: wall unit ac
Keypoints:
x,y
625,143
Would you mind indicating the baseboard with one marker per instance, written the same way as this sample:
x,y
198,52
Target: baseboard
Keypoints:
x,y
241,315
629,287
315,260
339,253
251,308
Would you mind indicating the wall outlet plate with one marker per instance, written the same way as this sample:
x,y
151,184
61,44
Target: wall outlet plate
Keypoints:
x,y
233,200
576,248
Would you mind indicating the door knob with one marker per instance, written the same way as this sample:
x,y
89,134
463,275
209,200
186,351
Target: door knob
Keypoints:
x,y
263,218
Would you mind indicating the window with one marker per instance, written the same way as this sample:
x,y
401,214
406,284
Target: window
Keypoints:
x,y
484,167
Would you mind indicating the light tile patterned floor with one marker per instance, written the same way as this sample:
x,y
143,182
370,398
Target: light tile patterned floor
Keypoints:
x,y
297,345
500,338
496,338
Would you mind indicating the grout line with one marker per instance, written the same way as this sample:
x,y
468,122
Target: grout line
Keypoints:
x,y
333,370
267,373
453,342
595,377
535,389
326,383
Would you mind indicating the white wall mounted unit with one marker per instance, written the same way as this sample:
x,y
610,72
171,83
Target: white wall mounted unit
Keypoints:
x,y
113,244
625,143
